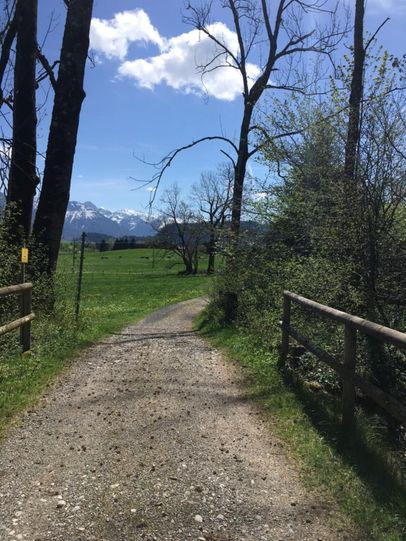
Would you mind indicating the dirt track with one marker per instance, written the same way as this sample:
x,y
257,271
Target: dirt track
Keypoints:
x,y
150,437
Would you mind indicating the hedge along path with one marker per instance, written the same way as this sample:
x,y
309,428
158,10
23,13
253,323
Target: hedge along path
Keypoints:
x,y
151,436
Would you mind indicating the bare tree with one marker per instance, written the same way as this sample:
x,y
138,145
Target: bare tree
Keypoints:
x,y
282,38
69,95
212,196
279,38
23,178
181,232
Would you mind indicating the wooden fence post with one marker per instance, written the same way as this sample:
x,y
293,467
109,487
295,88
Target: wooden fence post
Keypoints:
x,y
25,330
285,333
350,354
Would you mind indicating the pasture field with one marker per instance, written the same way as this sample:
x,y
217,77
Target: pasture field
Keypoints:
x,y
124,285
119,287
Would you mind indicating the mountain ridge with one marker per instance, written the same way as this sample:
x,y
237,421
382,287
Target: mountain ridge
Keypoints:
x,y
92,219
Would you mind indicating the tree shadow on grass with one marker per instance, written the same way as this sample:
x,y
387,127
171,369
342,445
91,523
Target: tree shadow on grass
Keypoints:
x,y
370,461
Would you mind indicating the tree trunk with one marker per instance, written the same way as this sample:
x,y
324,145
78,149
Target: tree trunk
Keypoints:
x,y
357,88
240,170
69,96
353,218
23,175
211,252
231,297
188,264
196,261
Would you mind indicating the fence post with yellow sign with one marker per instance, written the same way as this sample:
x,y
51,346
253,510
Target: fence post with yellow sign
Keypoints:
x,y
24,255
24,261
26,303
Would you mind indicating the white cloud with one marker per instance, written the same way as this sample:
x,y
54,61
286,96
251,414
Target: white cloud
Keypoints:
x,y
179,61
113,37
179,58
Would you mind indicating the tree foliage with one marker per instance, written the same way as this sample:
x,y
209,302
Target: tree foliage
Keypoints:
x,y
338,243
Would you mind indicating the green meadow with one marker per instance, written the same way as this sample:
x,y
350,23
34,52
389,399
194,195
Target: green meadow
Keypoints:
x,y
118,288
123,286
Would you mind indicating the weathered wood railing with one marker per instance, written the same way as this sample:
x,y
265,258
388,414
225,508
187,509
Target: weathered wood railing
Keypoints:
x,y
347,368
26,314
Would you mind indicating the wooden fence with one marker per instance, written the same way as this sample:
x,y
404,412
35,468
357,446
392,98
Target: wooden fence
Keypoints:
x,y
26,314
347,368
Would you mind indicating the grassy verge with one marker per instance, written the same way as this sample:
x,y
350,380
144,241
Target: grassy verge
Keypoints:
x,y
354,474
119,287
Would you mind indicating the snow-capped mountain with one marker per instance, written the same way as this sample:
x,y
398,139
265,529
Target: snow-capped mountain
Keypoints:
x,y
131,220
91,219
87,217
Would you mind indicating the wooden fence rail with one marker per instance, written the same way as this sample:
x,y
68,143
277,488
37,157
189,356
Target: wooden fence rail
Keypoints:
x,y
26,314
347,368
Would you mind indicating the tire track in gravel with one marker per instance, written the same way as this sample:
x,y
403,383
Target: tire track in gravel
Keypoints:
x,y
151,437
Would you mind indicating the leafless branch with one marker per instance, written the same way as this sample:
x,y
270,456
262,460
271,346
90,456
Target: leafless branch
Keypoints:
x,y
9,35
167,161
48,69
371,39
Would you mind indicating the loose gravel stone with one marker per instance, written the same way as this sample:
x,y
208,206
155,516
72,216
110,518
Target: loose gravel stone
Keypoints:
x,y
150,436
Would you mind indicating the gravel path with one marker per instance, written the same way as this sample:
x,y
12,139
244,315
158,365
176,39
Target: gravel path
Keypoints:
x,y
150,437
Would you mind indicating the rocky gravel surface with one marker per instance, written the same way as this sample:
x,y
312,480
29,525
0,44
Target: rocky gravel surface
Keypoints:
x,y
151,437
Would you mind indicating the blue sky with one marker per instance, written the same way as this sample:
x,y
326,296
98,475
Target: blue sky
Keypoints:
x,y
143,100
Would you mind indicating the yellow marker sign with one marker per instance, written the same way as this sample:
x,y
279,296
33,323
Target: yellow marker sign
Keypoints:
x,y
24,255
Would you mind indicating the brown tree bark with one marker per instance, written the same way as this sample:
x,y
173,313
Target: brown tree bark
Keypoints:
x,y
357,89
353,223
23,178
69,96
211,253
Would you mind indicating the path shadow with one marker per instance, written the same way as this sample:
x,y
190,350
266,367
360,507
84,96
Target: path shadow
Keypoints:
x,y
141,337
